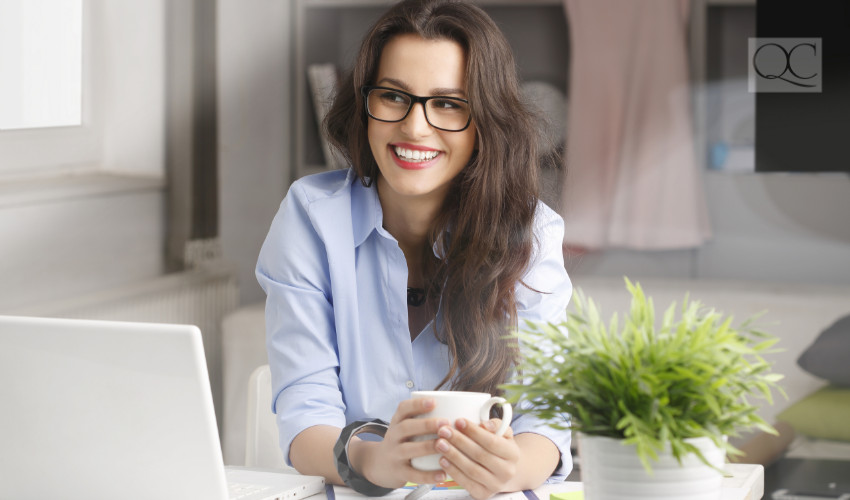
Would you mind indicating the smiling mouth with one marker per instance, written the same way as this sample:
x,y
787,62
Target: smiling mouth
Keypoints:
x,y
414,155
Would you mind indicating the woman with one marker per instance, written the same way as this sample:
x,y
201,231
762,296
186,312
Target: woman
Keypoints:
x,y
406,271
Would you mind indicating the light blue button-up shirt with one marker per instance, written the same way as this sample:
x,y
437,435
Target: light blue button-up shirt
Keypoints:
x,y
336,312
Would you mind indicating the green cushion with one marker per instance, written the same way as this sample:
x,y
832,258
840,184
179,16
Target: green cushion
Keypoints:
x,y
824,414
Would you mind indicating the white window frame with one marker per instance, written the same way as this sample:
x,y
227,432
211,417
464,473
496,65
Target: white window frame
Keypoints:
x,y
123,111
26,152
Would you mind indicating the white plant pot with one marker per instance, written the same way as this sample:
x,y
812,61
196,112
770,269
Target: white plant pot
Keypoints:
x,y
611,470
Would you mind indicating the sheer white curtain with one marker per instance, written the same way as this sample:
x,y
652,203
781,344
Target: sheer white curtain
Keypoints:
x,y
631,177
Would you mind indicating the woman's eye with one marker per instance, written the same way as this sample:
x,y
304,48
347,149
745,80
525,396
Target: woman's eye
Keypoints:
x,y
394,98
446,104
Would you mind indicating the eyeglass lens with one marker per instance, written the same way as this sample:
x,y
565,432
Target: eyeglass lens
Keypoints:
x,y
441,112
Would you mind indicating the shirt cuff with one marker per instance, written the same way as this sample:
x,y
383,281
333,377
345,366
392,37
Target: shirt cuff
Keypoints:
x,y
561,438
300,407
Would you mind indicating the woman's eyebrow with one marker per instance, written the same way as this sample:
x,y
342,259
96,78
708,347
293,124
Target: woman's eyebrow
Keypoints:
x,y
437,91
397,83
447,91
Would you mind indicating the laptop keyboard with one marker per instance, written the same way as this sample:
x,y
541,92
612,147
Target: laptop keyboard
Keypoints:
x,y
244,490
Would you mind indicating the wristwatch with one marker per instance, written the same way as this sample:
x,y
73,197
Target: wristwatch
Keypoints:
x,y
351,477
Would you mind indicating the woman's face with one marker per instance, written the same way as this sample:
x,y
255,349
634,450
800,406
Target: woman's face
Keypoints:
x,y
424,68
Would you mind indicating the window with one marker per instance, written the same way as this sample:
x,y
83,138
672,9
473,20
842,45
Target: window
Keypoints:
x,y
82,87
45,117
41,63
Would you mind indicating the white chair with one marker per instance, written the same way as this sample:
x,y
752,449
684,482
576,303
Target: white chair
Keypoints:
x,y
261,437
243,349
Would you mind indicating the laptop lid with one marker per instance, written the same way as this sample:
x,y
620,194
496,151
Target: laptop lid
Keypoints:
x,y
102,409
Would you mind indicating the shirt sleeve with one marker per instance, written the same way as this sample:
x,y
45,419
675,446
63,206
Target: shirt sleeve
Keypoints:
x,y
300,335
545,298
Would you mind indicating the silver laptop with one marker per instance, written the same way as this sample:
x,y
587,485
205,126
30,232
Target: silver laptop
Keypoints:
x,y
105,410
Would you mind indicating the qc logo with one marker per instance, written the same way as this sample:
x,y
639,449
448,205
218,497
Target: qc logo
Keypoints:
x,y
785,65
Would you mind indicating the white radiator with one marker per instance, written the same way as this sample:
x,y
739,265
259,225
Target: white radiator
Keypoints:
x,y
200,297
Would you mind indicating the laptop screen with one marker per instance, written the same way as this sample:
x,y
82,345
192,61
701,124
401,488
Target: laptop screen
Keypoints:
x,y
106,410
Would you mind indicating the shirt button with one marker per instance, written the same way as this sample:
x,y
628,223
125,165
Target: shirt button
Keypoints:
x,y
409,384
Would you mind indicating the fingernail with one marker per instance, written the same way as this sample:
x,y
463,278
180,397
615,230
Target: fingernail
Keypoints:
x,y
461,423
445,432
439,477
442,445
428,403
491,425
444,463
442,423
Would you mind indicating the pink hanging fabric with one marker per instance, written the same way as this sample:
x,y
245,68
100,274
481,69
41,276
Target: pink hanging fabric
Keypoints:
x,y
631,178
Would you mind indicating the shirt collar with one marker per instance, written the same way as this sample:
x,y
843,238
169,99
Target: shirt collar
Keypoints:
x,y
367,214
365,209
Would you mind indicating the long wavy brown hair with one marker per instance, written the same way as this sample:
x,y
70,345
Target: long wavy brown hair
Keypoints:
x,y
484,232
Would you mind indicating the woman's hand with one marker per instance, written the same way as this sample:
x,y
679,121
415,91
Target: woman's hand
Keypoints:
x,y
387,463
476,458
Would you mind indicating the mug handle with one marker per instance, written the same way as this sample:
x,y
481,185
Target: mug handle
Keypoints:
x,y
507,413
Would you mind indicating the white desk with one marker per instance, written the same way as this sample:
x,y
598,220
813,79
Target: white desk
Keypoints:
x,y
745,482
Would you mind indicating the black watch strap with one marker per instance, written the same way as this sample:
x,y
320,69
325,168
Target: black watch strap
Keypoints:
x,y
351,477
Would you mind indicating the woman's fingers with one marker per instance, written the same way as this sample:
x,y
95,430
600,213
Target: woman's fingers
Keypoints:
x,y
493,424
479,442
405,425
424,477
413,427
413,449
479,460
476,488
467,464
454,445
413,407
471,454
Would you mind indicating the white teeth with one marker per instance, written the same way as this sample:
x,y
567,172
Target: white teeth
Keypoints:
x,y
415,154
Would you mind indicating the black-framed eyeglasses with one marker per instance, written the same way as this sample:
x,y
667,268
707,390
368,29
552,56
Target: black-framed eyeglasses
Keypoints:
x,y
386,104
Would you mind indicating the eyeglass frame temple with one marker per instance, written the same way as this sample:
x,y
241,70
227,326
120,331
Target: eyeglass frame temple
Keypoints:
x,y
413,100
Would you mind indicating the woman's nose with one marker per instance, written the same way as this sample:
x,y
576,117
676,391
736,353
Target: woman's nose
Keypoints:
x,y
415,124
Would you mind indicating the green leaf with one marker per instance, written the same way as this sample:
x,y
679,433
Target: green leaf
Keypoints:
x,y
648,384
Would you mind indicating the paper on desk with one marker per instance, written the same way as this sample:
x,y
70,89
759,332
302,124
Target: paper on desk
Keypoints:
x,y
570,495
451,491
568,490
345,493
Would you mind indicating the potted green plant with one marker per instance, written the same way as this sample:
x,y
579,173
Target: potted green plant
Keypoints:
x,y
653,402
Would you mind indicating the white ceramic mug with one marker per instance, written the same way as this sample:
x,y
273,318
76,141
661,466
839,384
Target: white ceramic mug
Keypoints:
x,y
452,405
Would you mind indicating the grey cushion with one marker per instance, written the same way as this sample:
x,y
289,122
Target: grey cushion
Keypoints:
x,y
829,356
